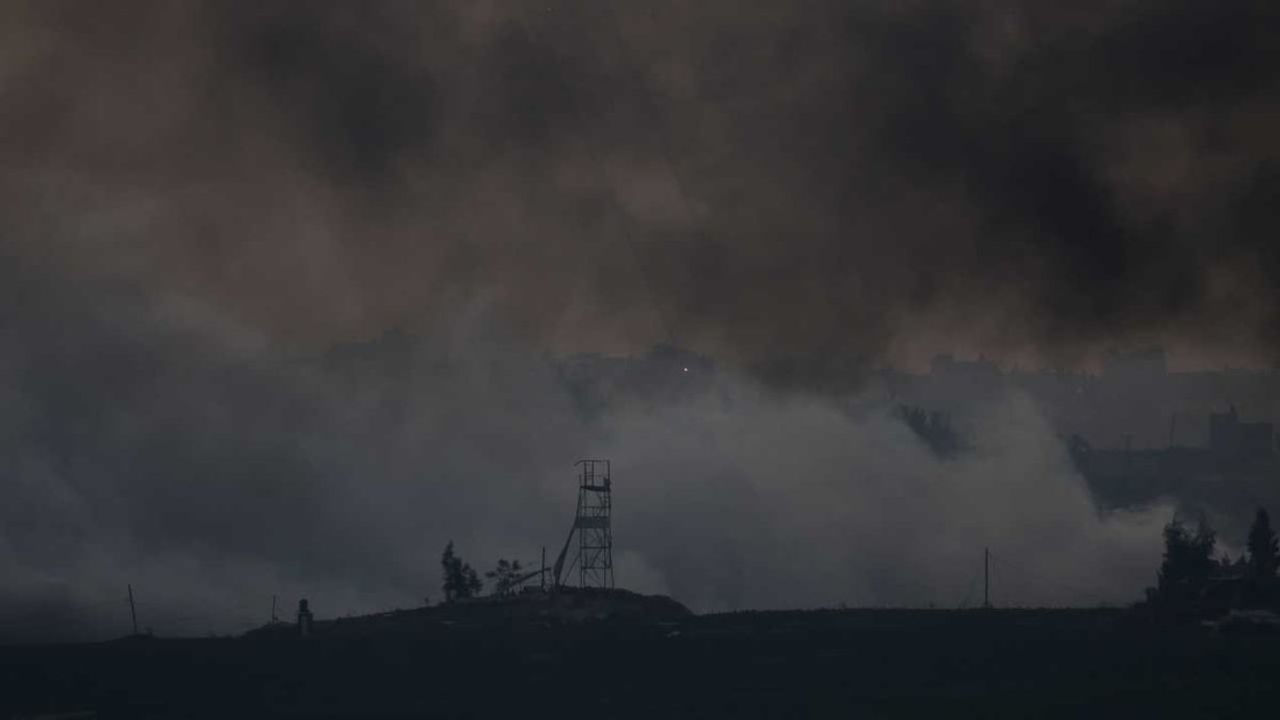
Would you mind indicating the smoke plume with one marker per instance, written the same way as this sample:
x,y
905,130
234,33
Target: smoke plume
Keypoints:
x,y
202,203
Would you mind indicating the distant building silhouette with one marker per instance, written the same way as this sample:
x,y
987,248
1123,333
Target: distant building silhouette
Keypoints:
x,y
1239,462
1232,440
981,372
1146,364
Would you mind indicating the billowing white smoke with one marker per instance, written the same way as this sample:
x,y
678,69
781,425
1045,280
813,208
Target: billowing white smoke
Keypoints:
x,y
213,480
753,500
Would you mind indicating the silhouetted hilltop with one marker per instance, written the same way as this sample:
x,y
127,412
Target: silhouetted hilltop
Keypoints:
x,y
569,605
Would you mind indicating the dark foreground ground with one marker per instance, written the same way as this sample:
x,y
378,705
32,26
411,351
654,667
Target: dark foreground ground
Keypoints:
x,y
849,664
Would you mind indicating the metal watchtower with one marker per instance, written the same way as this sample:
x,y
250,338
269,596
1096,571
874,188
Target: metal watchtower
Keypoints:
x,y
593,525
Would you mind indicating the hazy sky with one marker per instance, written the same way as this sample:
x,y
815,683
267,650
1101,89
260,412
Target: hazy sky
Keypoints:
x,y
195,196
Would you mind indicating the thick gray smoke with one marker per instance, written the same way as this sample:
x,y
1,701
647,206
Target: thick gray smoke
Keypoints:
x,y
147,448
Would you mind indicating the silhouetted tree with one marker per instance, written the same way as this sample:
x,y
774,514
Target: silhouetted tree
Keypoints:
x,y
505,576
460,581
933,428
1188,560
1233,568
1264,552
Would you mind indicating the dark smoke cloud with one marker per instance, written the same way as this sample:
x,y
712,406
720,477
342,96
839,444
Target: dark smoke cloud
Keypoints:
x,y
842,180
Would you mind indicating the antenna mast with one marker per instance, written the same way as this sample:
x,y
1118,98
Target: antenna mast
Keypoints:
x,y
986,578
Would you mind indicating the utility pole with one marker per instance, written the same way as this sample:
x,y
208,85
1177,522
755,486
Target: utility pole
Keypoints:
x,y
986,578
273,608
542,573
133,612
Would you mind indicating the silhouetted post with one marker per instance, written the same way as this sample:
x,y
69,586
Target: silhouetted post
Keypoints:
x,y
133,612
542,574
273,608
986,577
